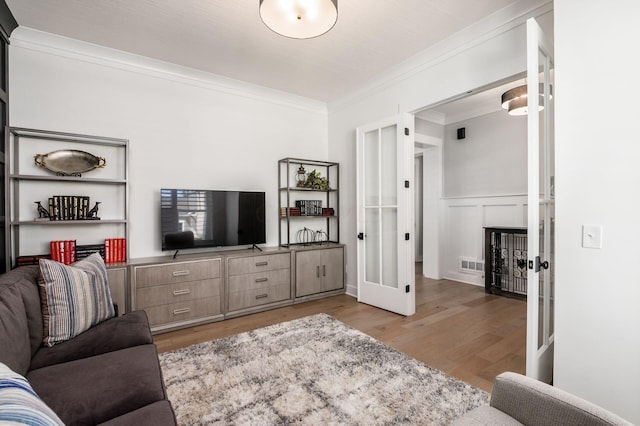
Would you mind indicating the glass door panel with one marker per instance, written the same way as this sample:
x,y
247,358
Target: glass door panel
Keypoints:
x,y
372,245
389,166
372,171
389,258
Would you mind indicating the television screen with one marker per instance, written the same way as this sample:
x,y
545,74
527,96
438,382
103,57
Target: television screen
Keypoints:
x,y
204,218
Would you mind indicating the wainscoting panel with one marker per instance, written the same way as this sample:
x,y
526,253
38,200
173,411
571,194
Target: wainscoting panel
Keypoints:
x,y
465,219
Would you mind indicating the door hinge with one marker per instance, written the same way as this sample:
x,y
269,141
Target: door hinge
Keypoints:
x,y
406,236
407,289
406,183
406,131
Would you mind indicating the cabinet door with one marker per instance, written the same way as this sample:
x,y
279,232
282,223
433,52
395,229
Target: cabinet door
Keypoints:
x,y
118,287
332,269
308,273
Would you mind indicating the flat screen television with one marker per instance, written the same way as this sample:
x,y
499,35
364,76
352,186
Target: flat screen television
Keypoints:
x,y
193,218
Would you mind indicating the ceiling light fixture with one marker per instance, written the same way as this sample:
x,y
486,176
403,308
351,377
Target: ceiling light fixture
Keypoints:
x,y
515,100
299,18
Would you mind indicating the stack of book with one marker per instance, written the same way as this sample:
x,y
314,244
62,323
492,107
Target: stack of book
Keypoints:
x,y
293,211
115,250
30,260
63,251
68,207
310,207
85,250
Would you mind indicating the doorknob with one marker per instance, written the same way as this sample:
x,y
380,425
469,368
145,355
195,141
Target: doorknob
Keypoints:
x,y
538,265
360,236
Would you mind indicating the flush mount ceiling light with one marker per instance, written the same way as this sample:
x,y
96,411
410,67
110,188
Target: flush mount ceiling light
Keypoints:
x,y
299,18
515,100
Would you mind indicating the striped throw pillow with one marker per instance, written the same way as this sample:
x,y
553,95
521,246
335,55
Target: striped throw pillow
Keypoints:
x,y
74,297
19,404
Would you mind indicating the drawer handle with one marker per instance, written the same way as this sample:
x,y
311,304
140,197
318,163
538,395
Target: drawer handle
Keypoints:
x,y
180,273
261,280
262,263
181,311
181,292
262,296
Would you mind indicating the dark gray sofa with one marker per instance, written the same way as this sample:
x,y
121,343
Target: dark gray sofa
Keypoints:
x,y
110,374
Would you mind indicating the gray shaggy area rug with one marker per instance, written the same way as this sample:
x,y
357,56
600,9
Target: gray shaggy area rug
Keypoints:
x,y
314,370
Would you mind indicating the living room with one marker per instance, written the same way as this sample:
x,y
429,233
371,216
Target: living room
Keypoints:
x,y
193,129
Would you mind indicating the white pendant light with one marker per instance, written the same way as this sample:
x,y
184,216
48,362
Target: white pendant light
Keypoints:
x,y
515,100
299,18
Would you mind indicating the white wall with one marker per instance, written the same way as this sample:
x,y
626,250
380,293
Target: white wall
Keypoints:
x,y
463,234
186,128
597,349
490,160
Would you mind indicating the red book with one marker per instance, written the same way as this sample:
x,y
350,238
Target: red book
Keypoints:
x,y
66,259
72,251
107,250
114,250
124,250
53,248
122,255
61,251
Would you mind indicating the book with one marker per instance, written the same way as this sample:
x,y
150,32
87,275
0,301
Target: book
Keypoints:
x,y
107,250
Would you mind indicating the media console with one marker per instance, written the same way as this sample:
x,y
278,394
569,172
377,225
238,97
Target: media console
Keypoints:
x,y
200,288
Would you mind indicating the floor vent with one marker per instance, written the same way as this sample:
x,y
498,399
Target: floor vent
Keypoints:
x,y
469,265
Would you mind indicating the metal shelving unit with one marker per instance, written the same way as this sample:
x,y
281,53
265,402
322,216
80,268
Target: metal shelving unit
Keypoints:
x,y
292,227
27,183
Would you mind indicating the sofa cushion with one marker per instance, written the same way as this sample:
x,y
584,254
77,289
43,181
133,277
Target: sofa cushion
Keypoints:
x,y
157,414
26,279
97,389
19,404
74,298
486,416
121,332
15,348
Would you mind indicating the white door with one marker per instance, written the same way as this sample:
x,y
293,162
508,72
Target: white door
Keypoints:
x,y
541,209
386,269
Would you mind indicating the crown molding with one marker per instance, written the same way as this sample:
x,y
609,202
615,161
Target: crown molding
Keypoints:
x,y
479,32
52,44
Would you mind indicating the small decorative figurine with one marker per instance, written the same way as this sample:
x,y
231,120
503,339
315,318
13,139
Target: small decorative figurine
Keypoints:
x,y
42,212
93,213
301,176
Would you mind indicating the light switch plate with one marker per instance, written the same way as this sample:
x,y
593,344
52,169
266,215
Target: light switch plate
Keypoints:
x,y
592,236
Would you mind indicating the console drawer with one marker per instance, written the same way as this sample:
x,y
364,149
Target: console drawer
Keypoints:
x,y
258,296
267,262
172,273
238,283
181,292
183,311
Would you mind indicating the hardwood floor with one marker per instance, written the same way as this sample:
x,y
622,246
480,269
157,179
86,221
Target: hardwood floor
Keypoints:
x,y
457,328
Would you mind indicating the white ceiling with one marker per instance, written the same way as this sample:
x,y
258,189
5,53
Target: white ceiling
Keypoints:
x,y
227,37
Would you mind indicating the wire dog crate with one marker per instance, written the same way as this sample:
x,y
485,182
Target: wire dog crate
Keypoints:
x,y
505,251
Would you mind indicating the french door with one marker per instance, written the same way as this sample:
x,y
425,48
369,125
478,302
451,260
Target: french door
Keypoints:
x,y
541,205
386,269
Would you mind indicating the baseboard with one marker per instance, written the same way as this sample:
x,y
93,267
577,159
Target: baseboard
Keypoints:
x,y
465,278
352,290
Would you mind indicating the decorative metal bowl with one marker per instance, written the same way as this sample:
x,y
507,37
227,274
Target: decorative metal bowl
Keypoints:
x,y
69,162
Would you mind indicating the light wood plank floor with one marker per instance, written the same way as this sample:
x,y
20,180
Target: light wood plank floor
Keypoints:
x,y
457,328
